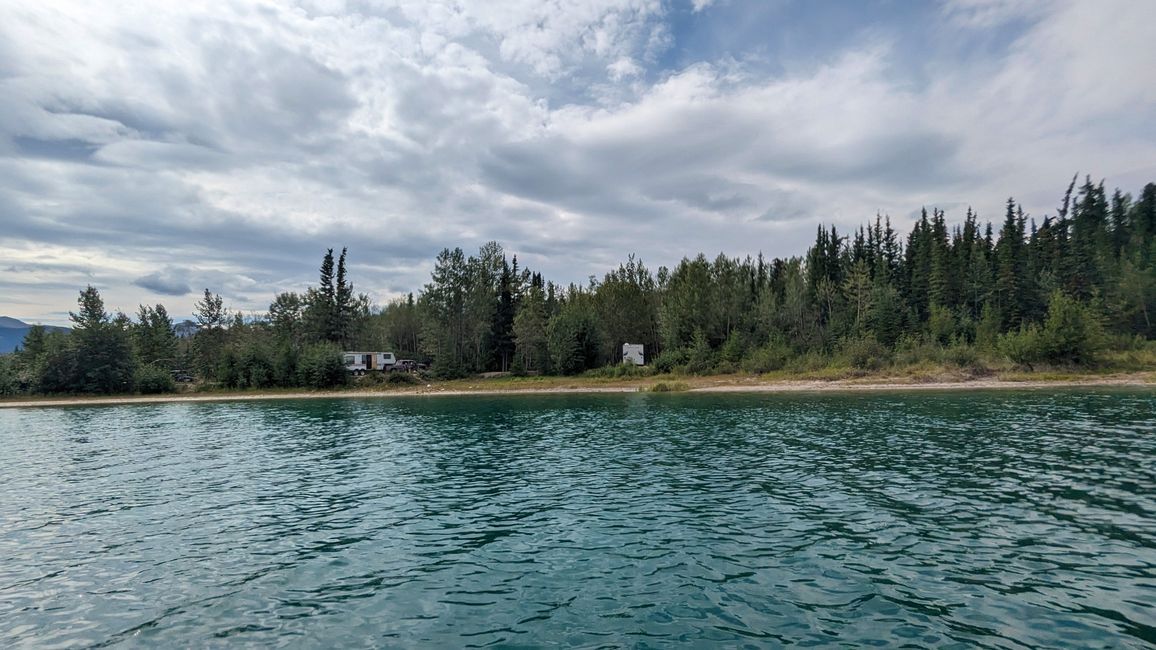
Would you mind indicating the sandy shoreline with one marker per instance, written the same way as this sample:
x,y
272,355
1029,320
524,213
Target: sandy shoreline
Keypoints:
x,y
725,386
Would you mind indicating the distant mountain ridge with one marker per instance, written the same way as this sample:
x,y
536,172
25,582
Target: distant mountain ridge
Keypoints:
x,y
13,331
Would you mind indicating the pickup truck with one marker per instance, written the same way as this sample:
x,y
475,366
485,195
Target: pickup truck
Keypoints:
x,y
409,365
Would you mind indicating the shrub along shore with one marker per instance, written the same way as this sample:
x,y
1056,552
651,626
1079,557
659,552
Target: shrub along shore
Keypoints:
x,y
1067,294
587,384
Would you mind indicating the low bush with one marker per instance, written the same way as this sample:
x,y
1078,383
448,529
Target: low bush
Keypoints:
x,y
671,361
962,354
918,350
621,370
1135,358
373,378
733,349
1071,335
1124,342
808,362
987,330
941,324
518,367
1072,332
401,379
700,358
151,380
1022,348
9,384
448,370
768,358
321,366
669,387
865,353
726,368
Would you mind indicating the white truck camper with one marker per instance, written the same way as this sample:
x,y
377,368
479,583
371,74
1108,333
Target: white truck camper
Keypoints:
x,y
360,363
634,353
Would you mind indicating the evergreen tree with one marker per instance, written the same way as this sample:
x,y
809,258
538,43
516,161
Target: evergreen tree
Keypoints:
x,y
103,351
1089,240
1011,269
530,329
153,337
209,342
860,292
940,272
321,318
918,267
1121,225
484,276
1143,219
502,328
860,297
344,307
285,317
443,303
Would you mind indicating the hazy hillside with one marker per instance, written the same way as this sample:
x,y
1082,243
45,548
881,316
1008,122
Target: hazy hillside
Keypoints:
x,y
12,333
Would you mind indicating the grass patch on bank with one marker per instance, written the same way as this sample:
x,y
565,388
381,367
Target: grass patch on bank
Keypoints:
x,y
1136,365
1138,358
670,387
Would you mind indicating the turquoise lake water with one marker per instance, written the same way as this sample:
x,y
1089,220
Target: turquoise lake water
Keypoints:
x,y
986,519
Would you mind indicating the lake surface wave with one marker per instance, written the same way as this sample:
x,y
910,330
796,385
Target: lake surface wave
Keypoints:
x,y
1002,519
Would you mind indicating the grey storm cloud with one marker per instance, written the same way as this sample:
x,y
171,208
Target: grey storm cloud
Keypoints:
x,y
169,282
159,149
68,149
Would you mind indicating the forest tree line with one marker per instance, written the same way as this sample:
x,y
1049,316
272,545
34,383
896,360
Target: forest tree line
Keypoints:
x,y
1061,291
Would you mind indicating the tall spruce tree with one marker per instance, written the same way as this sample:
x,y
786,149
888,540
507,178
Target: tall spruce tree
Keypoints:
x,y
1011,269
342,318
103,352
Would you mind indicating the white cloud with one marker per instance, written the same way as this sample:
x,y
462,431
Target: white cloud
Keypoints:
x,y
623,68
547,36
984,14
236,142
1058,102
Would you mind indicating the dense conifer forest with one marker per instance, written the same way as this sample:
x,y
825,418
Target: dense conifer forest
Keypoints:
x,y
1076,288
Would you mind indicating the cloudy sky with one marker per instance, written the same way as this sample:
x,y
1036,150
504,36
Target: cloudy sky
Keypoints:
x,y
155,149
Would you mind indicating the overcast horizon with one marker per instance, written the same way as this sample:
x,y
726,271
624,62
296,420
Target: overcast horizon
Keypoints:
x,y
156,150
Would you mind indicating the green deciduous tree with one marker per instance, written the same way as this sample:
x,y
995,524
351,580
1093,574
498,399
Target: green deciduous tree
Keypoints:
x,y
573,334
530,329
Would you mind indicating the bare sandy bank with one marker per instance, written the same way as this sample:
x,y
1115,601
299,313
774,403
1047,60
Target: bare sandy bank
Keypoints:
x,y
692,385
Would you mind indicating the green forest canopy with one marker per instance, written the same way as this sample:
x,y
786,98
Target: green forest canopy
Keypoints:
x,y
1060,291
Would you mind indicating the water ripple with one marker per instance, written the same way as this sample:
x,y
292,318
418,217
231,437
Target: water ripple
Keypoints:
x,y
996,520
